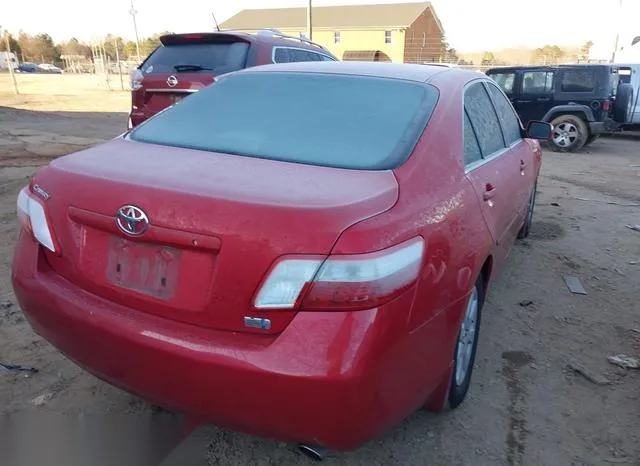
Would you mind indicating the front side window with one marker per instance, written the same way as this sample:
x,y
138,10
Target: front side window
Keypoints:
x,y
505,81
387,37
506,115
578,80
484,119
537,82
356,122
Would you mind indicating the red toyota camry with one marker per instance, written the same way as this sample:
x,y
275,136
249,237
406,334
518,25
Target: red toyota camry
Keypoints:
x,y
298,251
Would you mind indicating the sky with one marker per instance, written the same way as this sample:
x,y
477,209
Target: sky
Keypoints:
x,y
470,25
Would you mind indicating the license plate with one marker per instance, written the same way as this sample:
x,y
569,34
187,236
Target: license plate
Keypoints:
x,y
146,268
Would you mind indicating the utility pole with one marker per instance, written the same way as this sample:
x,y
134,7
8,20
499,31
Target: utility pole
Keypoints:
x,y
309,25
10,63
615,48
115,44
133,12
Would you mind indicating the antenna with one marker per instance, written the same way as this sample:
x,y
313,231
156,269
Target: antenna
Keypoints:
x,y
215,21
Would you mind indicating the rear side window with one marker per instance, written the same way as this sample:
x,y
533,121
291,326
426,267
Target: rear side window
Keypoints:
x,y
353,122
506,115
505,81
484,119
537,82
287,55
578,80
219,57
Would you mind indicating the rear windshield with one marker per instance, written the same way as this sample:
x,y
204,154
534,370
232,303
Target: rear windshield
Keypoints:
x,y
331,120
219,57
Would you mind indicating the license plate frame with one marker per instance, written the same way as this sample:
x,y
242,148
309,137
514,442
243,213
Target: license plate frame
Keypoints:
x,y
150,269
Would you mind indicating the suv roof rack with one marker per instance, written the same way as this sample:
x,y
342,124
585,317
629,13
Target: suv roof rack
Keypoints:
x,y
275,33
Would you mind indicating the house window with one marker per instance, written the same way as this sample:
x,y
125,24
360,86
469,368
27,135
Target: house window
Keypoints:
x,y
336,37
387,37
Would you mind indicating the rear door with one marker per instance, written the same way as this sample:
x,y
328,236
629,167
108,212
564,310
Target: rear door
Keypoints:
x,y
535,96
489,166
521,161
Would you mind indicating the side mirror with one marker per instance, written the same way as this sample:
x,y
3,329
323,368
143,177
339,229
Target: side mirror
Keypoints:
x,y
539,130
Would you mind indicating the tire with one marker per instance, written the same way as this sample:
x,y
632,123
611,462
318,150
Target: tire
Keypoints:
x,y
466,345
590,139
570,133
528,223
623,104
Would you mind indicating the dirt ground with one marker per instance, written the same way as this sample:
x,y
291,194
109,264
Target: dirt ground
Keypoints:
x,y
543,391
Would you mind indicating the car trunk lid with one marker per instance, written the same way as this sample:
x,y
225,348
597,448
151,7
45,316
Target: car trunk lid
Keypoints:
x,y
217,223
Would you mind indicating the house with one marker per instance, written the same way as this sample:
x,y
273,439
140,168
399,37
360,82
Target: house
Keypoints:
x,y
400,32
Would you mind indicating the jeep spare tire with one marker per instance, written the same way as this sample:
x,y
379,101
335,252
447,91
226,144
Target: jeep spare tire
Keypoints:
x,y
623,105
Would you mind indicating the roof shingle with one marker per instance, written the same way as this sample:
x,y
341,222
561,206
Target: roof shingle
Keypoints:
x,y
334,17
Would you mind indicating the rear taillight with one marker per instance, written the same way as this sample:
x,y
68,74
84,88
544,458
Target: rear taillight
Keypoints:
x,y
136,79
606,105
34,219
342,282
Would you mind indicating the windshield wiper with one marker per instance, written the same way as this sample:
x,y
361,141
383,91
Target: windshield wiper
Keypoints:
x,y
191,68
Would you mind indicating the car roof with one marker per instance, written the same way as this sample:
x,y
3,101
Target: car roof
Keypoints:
x,y
408,72
507,69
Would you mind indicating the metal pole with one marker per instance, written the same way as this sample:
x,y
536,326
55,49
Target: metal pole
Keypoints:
x,y
10,63
615,47
309,25
115,43
133,12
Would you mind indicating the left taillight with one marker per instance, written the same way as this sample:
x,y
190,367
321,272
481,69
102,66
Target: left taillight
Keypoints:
x,y
342,282
33,216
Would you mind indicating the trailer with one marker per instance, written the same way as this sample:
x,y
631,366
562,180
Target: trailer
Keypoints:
x,y
8,59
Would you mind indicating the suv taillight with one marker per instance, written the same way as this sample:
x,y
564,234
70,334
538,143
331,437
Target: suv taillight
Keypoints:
x,y
606,105
33,217
136,79
342,282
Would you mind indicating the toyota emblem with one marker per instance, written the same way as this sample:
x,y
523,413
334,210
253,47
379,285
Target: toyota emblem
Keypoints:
x,y
132,220
172,81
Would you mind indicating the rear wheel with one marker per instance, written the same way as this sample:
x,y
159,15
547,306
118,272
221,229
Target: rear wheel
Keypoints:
x,y
465,352
570,133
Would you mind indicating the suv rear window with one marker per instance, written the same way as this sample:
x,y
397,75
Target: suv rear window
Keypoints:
x,y
218,57
353,122
578,81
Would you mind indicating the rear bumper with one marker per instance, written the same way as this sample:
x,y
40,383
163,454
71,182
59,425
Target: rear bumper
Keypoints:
x,y
330,378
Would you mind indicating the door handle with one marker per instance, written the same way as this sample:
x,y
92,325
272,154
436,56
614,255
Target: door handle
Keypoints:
x,y
489,192
544,99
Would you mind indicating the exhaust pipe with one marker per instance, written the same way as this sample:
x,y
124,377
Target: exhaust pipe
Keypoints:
x,y
314,452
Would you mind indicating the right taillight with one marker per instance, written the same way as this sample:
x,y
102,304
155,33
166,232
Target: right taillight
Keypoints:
x,y
34,219
342,282
606,105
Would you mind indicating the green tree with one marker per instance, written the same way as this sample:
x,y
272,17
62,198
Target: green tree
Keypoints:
x,y
585,51
488,58
13,44
39,48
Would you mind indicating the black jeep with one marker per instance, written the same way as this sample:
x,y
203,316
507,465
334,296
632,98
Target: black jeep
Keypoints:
x,y
580,101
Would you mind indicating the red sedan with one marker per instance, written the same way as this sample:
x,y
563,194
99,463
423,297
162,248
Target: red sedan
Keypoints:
x,y
298,251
